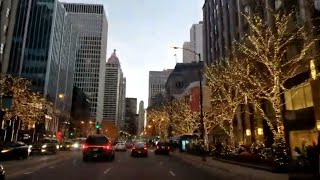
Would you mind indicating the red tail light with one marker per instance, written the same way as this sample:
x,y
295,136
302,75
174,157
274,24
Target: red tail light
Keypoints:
x,y
84,146
145,148
107,147
157,147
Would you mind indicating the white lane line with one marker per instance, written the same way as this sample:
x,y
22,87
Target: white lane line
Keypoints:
x,y
160,163
51,167
119,160
172,173
106,171
27,173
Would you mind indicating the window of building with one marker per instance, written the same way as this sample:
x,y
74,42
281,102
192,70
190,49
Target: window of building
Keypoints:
x,y
299,97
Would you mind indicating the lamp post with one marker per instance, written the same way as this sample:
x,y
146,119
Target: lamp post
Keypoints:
x,y
201,95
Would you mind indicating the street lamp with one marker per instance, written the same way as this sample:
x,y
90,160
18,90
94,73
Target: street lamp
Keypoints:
x,y
201,95
61,96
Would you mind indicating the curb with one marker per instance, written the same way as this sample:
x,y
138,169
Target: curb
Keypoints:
x,y
246,165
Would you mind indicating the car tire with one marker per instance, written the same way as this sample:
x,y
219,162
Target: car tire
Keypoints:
x,y
85,159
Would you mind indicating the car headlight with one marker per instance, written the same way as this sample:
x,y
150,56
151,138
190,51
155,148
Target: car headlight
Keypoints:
x,y
1,167
30,146
76,145
5,150
58,146
44,146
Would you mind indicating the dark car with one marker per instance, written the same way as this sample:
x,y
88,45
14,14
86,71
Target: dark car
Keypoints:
x,y
44,146
66,146
97,147
162,148
14,150
2,173
139,149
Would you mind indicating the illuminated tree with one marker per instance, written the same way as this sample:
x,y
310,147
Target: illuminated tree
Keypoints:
x,y
159,119
225,82
269,49
27,105
184,121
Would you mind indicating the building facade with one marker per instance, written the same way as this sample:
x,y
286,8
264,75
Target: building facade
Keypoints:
x,y
112,106
141,120
157,81
91,23
131,118
8,9
180,78
187,56
122,104
196,40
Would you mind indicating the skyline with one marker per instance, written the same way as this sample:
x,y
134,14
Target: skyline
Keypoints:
x,y
152,31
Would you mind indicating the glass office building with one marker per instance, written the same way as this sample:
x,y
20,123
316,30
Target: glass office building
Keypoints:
x,y
42,49
91,23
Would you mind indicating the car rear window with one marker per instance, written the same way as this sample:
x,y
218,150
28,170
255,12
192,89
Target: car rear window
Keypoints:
x,y
97,140
139,145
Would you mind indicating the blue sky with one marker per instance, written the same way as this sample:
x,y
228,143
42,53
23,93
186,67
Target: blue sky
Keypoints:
x,y
142,31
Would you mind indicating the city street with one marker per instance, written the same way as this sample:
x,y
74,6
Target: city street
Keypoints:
x,y
66,166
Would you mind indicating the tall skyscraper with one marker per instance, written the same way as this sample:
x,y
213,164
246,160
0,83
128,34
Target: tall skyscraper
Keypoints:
x,y
8,10
43,49
141,117
187,56
131,119
91,23
157,81
123,84
112,106
196,40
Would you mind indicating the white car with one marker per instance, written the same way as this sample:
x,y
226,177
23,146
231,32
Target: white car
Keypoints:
x,y
120,147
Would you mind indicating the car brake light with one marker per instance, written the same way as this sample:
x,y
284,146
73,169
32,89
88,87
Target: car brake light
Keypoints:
x,y
84,146
145,148
106,147
157,147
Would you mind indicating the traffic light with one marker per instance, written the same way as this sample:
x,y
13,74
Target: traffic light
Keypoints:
x,y
98,127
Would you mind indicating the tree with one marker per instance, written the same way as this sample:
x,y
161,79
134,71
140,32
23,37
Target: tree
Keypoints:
x,y
159,119
266,48
225,82
26,103
183,119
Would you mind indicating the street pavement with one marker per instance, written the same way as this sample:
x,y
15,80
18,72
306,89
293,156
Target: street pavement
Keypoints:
x,y
69,165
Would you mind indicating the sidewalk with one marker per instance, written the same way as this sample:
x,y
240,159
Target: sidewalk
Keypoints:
x,y
230,171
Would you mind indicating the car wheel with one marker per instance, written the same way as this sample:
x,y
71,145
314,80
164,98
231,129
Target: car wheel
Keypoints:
x,y
85,159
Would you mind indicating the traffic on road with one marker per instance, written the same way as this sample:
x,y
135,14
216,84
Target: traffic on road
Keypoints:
x,y
97,159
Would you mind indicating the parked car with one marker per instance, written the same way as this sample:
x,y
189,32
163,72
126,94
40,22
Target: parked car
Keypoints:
x,y
14,150
97,147
45,146
162,148
139,149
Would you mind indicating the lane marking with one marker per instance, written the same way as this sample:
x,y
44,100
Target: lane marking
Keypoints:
x,y
27,173
119,160
161,163
51,167
172,173
106,171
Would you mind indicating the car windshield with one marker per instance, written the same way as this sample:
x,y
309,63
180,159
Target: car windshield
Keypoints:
x,y
97,140
139,145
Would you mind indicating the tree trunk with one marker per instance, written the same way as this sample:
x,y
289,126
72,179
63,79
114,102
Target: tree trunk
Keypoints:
x,y
277,105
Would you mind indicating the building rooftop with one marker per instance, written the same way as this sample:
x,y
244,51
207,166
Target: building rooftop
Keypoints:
x,y
114,59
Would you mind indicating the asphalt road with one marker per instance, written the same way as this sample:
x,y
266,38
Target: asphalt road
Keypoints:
x,y
68,166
